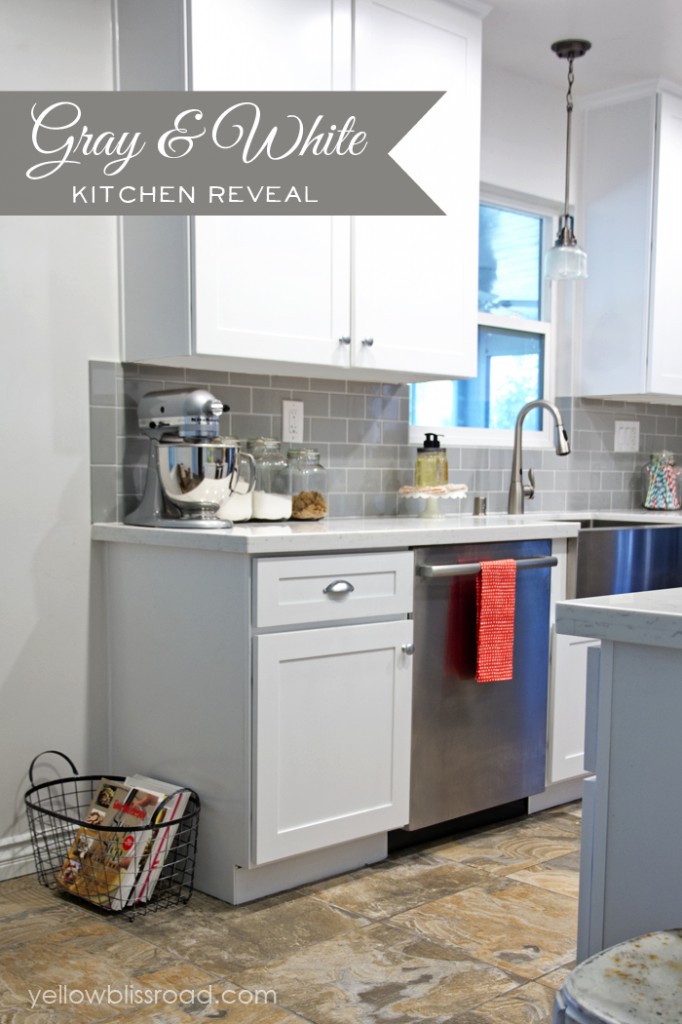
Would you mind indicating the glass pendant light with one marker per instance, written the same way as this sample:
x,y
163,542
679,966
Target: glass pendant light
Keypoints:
x,y
566,260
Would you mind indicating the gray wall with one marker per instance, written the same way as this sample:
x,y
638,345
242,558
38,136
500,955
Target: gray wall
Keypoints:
x,y
362,433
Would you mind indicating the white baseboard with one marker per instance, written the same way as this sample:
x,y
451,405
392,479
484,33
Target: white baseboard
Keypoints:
x,y
559,793
16,856
306,867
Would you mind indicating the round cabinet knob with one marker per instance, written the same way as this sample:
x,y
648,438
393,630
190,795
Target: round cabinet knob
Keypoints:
x,y
368,342
407,648
345,340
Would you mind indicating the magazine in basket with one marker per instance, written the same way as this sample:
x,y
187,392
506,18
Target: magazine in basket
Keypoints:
x,y
160,840
102,865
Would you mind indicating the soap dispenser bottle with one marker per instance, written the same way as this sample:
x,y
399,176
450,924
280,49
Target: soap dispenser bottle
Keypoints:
x,y
431,469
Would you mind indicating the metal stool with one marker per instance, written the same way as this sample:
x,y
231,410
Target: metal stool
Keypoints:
x,y
636,982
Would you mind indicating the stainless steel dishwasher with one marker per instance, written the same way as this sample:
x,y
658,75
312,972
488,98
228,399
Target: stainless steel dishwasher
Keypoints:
x,y
476,745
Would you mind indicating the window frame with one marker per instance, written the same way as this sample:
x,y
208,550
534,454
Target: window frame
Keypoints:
x,y
488,437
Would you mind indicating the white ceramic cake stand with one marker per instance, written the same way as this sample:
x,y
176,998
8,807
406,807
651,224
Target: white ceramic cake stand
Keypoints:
x,y
433,496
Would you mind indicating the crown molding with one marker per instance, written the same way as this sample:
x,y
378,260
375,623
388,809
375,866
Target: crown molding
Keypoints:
x,y
636,91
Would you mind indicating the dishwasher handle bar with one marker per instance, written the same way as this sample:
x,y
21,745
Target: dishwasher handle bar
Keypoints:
x,y
473,568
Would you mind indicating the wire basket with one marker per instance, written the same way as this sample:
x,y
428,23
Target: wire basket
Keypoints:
x,y
118,867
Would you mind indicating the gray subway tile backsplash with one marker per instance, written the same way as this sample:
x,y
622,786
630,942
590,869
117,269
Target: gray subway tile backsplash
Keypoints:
x,y
103,435
346,406
103,493
362,430
365,432
102,384
395,432
328,430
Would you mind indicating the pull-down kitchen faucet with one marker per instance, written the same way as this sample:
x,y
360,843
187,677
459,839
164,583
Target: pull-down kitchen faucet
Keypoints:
x,y
517,489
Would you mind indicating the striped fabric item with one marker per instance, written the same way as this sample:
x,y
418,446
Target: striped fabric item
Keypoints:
x,y
495,607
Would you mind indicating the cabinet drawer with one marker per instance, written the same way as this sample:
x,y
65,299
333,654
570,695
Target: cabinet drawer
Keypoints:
x,y
332,588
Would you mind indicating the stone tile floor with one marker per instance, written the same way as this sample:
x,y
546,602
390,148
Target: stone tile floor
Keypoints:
x,y
478,929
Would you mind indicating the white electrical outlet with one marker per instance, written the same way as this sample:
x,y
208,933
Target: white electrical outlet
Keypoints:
x,y
626,436
292,421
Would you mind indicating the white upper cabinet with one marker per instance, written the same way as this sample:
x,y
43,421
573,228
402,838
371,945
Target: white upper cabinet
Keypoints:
x,y
633,213
383,298
415,279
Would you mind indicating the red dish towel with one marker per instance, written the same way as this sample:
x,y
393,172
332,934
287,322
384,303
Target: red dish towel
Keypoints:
x,y
495,606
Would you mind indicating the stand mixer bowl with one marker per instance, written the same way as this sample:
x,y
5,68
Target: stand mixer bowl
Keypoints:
x,y
197,478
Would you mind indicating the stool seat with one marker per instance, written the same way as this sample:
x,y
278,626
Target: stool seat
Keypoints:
x,y
636,982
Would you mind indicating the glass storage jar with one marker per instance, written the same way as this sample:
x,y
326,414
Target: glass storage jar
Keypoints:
x,y
661,483
308,484
238,506
272,493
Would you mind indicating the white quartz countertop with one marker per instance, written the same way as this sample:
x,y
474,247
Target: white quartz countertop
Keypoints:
x,y
344,534
653,618
377,531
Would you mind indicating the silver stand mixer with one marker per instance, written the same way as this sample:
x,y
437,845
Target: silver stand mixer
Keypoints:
x,y
192,470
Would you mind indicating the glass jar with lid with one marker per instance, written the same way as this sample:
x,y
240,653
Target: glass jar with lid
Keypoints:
x,y
662,483
308,484
238,506
272,493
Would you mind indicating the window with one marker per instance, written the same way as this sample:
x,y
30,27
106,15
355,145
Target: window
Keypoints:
x,y
514,338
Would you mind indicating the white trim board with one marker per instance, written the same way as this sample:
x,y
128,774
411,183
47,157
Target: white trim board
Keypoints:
x,y
16,856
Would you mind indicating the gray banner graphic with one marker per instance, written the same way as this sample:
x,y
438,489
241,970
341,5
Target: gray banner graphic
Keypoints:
x,y
216,153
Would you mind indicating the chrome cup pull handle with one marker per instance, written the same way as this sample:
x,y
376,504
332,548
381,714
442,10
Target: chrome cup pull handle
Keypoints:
x,y
339,587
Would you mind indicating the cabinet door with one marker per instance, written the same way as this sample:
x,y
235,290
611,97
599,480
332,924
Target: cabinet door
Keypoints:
x,y
415,279
632,210
272,287
665,352
332,736
567,708
618,189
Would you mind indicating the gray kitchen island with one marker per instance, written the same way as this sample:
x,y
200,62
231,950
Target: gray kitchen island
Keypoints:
x,y
632,806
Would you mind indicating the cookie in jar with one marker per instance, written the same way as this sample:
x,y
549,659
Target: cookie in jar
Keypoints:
x,y
308,484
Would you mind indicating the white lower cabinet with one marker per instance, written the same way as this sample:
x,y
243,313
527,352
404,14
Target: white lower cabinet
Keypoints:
x,y
332,713
567,707
279,688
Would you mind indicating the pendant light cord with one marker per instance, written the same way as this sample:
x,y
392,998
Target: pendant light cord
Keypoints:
x,y
569,114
